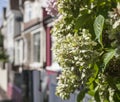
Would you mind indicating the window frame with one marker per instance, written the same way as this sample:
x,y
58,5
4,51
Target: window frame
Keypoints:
x,y
33,47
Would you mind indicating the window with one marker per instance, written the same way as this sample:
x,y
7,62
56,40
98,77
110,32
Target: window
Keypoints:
x,y
36,47
28,11
19,52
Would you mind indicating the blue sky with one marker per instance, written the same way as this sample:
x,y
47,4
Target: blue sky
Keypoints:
x,y
3,3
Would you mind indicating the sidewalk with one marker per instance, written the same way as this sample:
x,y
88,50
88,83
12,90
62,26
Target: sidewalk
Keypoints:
x,y
3,96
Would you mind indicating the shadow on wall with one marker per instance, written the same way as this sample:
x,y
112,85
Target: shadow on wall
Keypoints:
x,y
25,86
16,88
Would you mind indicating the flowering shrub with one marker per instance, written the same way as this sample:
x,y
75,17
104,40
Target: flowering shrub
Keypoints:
x,y
73,60
87,47
52,7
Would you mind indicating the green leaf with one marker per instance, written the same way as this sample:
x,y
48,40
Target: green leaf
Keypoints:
x,y
81,95
117,97
108,56
118,86
96,69
82,20
92,78
97,96
91,92
98,28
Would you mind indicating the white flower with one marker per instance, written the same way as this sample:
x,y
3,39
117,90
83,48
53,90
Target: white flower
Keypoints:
x,y
116,24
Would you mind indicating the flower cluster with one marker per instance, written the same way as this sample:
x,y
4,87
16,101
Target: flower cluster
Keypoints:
x,y
115,16
74,52
68,82
52,7
114,30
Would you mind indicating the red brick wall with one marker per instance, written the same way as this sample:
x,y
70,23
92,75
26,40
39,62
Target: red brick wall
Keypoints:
x,y
48,47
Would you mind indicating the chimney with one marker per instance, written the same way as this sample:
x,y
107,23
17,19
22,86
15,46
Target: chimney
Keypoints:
x,y
4,12
14,4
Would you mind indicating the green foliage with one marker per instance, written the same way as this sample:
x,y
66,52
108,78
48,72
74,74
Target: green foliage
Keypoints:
x,y
81,95
98,28
3,56
1,40
108,56
87,48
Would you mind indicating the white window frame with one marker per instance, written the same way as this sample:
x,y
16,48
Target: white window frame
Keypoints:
x,y
34,57
19,52
28,11
40,64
